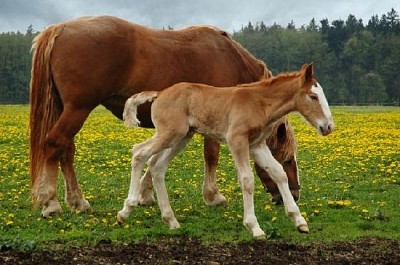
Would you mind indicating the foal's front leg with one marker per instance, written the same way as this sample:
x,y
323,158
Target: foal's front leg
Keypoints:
x,y
240,152
263,157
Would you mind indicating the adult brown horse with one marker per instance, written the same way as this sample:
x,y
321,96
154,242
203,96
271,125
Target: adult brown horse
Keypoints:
x,y
80,64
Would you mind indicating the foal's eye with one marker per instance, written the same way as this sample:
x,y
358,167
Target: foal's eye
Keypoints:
x,y
314,96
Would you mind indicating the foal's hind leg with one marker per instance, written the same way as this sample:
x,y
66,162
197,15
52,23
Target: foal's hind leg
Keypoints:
x,y
263,157
140,155
58,140
211,194
73,195
158,166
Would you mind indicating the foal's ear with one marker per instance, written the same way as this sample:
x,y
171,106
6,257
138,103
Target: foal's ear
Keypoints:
x,y
308,72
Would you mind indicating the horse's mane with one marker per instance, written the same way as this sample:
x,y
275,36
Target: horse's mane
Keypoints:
x,y
289,146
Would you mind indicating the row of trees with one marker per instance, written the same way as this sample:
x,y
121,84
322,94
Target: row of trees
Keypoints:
x,y
356,63
15,66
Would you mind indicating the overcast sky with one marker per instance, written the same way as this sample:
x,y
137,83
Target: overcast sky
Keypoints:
x,y
230,15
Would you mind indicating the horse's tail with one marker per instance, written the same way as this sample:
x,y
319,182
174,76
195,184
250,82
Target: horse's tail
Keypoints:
x,y
45,103
131,105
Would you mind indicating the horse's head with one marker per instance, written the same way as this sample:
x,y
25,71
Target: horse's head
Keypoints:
x,y
312,103
283,146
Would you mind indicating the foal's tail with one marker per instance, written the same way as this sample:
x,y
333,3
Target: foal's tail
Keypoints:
x,y
45,103
131,105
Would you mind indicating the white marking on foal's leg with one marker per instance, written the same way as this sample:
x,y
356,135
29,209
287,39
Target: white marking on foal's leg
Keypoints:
x,y
263,157
140,155
158,167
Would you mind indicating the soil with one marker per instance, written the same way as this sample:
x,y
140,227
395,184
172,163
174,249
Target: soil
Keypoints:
x,y
192,251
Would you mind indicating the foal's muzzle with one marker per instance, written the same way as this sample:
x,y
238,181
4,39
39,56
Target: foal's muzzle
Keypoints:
x,y
326,128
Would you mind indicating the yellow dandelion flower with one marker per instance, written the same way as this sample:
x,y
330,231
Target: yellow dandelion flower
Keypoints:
x,y
268,207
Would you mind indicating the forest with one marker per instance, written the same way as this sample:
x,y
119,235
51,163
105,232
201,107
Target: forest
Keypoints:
x,y
357,63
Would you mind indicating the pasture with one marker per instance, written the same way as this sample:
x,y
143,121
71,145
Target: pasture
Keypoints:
x,y
350,186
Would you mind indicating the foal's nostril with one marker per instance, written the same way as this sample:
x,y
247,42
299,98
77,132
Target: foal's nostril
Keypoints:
x,y
296,198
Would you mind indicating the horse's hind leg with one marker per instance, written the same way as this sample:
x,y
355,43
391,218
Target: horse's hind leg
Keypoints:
x,y
58,140
211,194
73,194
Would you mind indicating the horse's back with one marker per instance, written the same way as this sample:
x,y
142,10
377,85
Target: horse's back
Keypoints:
x,y
105,60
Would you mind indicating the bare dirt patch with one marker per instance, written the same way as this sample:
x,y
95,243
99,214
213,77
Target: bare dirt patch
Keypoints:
x,y
192,251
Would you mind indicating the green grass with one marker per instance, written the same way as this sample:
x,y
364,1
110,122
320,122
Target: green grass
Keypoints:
x,y
350,180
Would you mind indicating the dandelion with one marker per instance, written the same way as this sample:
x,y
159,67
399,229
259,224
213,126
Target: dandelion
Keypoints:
x,y
268,207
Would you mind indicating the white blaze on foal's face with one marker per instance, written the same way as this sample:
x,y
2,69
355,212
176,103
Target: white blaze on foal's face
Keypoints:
x,y
324,124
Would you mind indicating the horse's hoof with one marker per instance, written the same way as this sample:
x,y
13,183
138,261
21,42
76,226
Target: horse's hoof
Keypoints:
x,y
53,208
303,229
147,201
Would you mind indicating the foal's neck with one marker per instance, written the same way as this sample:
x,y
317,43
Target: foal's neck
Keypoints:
x,y
279,94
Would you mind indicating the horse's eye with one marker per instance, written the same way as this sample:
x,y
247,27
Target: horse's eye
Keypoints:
x,y
314,96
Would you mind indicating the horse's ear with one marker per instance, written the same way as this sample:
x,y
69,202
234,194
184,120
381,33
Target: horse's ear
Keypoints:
x,y
308,72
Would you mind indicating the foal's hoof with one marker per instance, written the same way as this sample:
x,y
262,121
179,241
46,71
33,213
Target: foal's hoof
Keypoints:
x,y
303,229
120,219
260,237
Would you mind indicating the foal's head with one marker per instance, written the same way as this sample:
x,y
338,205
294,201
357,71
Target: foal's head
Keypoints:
x,y
311,102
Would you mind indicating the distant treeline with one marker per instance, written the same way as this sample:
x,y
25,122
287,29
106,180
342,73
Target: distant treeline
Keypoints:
x,y
356,63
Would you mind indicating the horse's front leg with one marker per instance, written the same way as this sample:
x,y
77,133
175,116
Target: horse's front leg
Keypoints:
x,y
146,195
240,152
263,157
73,194
211,194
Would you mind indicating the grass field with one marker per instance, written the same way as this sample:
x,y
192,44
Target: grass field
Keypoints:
x,y
350,185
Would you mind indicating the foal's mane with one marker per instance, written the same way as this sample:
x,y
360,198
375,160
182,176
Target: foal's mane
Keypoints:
x,y
273,79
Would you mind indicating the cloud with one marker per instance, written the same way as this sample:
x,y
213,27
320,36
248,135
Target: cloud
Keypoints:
x,y
17,15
